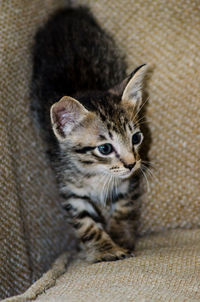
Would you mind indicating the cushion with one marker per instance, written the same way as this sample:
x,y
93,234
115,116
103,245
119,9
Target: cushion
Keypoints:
x,y
164,34
165,269
32,228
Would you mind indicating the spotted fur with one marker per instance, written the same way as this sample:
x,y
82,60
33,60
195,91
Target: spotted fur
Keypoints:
x,y
79,73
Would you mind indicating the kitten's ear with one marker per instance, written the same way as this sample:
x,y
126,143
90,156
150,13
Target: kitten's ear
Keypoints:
x,y
131,87
65,115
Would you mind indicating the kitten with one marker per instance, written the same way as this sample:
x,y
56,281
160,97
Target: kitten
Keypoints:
x,y
79,73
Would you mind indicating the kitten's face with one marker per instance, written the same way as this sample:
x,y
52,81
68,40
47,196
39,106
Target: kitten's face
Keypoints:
x,y
105,137
107,147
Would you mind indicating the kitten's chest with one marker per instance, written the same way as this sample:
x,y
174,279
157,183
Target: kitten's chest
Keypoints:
x,y
107,191
100,190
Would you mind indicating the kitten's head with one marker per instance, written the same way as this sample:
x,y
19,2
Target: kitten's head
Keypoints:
x,y
99,131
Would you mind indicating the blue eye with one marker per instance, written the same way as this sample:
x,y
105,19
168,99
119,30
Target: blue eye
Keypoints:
x,y
137,138
105,149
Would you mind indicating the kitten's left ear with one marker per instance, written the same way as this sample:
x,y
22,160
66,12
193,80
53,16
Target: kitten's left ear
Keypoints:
x,y
66,115
131,87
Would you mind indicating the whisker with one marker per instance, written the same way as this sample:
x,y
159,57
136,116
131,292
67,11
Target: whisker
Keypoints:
x,y
148,186
150,173
147,99
103,192
145,122
140,119
112,188
153,165
116,183
108,188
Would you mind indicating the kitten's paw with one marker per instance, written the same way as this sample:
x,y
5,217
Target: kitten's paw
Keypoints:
x,y
113,254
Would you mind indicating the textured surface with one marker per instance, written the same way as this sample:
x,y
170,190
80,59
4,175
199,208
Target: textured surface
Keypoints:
x,y
166,268
32,228
165,34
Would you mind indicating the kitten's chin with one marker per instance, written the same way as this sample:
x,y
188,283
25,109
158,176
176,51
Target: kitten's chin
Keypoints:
x,y
128,174
124,175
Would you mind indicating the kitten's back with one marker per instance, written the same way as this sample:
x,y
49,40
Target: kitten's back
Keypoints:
x,y
72,54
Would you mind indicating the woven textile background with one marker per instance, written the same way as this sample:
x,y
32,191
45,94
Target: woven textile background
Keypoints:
x,y
32,228
165,269
165,34
162,33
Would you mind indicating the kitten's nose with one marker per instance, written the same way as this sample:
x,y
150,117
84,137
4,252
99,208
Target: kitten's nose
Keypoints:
x,y
130,166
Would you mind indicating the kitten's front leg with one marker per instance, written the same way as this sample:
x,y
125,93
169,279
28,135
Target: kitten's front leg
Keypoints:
x,y
123,221
89,225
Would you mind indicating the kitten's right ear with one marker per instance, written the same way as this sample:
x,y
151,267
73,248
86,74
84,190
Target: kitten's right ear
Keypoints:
x,y
65,115
130,89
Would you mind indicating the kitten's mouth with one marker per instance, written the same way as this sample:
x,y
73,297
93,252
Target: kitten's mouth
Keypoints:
x,y
128,173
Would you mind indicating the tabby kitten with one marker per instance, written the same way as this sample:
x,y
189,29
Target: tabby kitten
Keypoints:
x,y
95,141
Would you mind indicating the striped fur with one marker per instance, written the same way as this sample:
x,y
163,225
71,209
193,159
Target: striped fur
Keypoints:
x,y
101,192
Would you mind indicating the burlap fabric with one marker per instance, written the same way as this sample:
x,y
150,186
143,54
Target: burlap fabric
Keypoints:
x,y
166,269
165,34
32,228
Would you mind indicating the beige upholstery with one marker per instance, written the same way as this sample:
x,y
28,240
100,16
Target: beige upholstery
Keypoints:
x,y
166,269
32,229
165,34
